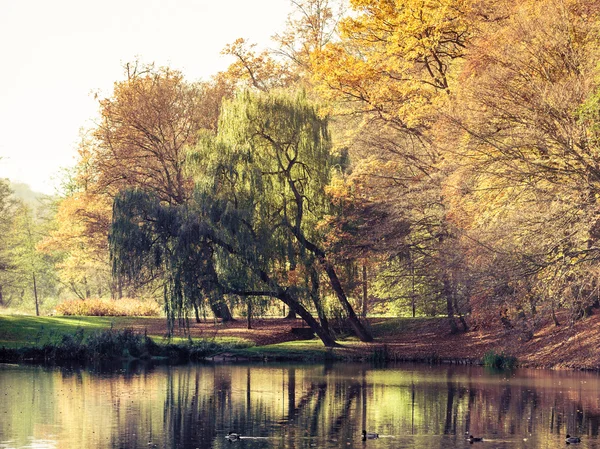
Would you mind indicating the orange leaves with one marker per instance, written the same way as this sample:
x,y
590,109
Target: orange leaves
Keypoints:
x,y
145,127
250,69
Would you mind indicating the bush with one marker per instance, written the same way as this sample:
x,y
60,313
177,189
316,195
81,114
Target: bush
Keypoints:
x,y
108,307
499,361
115,344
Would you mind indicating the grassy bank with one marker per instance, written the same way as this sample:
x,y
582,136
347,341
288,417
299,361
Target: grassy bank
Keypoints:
x,y
573,346
57,339
19,330
110,345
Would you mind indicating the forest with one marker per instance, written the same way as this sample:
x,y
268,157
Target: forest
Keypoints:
x,y
382,158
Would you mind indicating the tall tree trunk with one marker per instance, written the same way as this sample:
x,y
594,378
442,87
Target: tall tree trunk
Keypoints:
x,y
364,291
221,311
35,295
292,303
1,297
119,287
461,317
88,292
361,332
249,313
315,296
447,294
197,311
412,292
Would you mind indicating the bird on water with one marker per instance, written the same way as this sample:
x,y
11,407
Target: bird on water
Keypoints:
x,y
369,435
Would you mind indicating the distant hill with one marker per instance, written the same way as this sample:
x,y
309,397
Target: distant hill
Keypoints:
x,y
35,200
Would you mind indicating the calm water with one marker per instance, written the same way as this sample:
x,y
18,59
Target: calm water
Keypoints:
x,y
295,406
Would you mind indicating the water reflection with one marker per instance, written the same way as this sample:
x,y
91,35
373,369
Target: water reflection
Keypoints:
x,y
294,406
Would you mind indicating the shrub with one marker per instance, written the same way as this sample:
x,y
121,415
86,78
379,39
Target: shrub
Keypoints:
x,y
108,307
499,361
114,344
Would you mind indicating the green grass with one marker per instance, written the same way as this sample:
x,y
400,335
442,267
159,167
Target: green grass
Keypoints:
x,y
501,361
305,350
18,331
85,339
229,341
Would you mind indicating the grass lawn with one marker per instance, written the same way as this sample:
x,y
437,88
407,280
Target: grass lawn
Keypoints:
x,y
20,330
305,350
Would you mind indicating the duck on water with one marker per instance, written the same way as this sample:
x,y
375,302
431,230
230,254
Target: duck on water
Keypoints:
x,y
369,435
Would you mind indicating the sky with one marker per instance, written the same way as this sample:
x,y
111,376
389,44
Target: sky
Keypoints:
x,y
54,55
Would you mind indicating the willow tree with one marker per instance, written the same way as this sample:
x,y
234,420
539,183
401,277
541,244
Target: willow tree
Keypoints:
x,y
261,186
250,228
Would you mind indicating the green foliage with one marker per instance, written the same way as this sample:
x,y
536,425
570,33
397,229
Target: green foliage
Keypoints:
x,y
305,351
150,237
499,361
123,343
108,307
27,275
259,195
262,178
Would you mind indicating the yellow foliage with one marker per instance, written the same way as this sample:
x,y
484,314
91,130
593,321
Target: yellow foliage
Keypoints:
x,y
395,59
108,307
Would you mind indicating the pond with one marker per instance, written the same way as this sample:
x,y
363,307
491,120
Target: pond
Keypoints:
x,y
295,406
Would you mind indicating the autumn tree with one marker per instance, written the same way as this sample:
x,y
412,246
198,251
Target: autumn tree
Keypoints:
x,y
78,240
310,26
139,142
524,116
144,127
394,70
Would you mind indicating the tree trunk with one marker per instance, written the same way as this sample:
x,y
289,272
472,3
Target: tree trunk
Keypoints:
x,y
88,292
447,293
412,292
35,295
291,315
1,297
197,312
293,304
249,313
314,293
364,291
554,319
221,311
361,332
461,317
336,285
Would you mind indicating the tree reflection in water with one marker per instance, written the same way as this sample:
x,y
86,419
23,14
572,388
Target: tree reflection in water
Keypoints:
x,y
296,406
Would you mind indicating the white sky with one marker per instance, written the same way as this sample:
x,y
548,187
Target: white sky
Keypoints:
x,y
54,53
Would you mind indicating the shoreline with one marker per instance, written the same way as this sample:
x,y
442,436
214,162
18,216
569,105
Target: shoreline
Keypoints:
x,y
419,340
